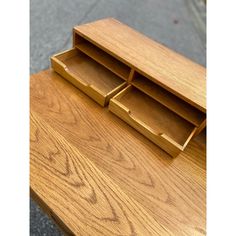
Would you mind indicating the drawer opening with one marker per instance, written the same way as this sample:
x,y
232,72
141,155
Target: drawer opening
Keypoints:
x,y
102,57
169,100
88,75
153,117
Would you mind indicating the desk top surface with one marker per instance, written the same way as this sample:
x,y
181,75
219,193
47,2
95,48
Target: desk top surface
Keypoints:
x,y
173,71
95,175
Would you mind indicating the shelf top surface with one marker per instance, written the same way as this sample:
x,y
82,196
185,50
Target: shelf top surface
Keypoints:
x,y
162,65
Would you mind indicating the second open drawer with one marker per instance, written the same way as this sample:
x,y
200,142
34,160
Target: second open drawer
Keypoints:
x,y
158,123
88,75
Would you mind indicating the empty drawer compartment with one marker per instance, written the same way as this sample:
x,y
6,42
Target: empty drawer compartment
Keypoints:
x,y
158,123
86,74
169,100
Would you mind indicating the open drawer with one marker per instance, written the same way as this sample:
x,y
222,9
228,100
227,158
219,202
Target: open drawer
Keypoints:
x,y
88,75
158,123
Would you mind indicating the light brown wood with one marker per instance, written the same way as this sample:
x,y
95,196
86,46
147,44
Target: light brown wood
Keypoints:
x,y
169,100
88,75
152,119
105,59
174,72
97,203
71,133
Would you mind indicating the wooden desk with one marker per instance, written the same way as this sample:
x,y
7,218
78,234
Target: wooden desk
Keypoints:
x,y
95,175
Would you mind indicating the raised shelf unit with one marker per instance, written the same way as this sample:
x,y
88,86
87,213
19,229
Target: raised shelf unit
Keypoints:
x,y
163,117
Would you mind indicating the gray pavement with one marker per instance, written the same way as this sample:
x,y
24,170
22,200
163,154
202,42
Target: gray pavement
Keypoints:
x,y
178,24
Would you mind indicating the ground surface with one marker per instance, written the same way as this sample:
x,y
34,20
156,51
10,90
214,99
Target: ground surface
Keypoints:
x,y
179,24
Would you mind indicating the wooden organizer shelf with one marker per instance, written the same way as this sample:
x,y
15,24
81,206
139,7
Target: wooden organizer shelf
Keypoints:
x,y
88,75
157,91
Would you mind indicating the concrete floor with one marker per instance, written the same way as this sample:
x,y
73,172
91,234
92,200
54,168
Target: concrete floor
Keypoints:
x,y
178,24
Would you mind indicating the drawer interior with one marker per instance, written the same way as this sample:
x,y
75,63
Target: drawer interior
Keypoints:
x,y
169,100
88,71
154,115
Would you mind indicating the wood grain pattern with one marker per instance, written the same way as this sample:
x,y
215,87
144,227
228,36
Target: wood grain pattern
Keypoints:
x,y
163,66
97,205
170,191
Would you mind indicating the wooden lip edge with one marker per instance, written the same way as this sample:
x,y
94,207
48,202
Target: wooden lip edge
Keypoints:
x,y
154,80
122,92
190,137
117,88
201,127
46,209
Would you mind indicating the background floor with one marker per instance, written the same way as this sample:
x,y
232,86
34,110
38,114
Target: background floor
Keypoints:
x,y
178,24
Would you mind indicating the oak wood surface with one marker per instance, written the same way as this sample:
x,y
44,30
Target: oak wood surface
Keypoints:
x,y
173,71
97,174
96,204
